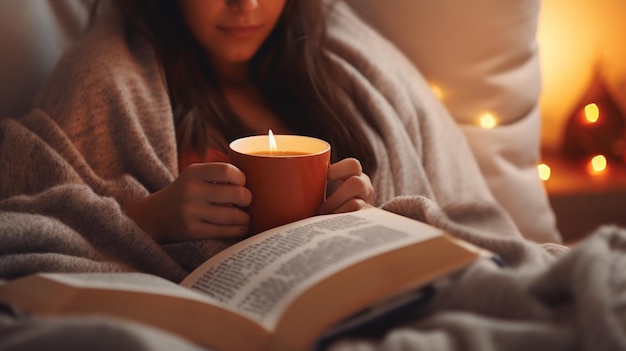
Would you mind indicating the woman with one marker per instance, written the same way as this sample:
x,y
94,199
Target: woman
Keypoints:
x,y
150,98
236,68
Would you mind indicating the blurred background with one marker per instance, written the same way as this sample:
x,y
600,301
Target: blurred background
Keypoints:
x,y
583,103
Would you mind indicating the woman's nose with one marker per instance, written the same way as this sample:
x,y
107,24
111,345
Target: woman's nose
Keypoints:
x,y
242,5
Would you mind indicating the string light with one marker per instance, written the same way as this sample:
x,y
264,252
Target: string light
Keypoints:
x,y
592,113
488,121
544,171
597,164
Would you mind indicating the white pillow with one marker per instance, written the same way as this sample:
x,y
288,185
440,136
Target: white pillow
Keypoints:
x,y
482,56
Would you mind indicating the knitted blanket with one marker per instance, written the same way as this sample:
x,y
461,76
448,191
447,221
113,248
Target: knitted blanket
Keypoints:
x,y
101,135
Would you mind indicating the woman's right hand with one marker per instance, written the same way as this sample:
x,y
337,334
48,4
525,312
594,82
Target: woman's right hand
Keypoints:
x,y
204,202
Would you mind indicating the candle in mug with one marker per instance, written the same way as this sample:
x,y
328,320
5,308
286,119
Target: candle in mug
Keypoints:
x,y
278,153
288,181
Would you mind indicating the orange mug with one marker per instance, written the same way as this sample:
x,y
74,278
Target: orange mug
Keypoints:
x,y
287,183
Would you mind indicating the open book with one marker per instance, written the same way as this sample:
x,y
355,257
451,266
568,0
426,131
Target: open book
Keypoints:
x,y
278,290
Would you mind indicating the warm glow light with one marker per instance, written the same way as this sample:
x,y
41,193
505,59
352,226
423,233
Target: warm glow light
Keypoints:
x,y
488,121
597,164
272,140
544,171
592,113
437,90
577,38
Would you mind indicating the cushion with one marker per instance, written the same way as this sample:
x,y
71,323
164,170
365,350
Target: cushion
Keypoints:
x,y
33,34
481,58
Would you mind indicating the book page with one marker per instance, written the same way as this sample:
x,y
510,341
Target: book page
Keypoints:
x,y
262,275
128,281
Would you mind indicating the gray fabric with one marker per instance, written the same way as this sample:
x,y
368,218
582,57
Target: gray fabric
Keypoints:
x,y
103,136
23,333
576,303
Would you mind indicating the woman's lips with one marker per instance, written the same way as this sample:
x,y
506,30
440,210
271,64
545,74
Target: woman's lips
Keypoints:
x,y
240,31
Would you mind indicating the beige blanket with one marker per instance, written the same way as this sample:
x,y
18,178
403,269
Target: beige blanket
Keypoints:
x,y
102,135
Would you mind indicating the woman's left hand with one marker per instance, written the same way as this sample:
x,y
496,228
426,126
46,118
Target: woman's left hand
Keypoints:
x,y
349,189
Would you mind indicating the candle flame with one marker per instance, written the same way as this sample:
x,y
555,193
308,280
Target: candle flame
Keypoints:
x,y
597,164
272,141
544,171
592,113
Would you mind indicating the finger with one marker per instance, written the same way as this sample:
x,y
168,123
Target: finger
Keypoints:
x,y
223,194
353,187
225,215
351,205
218,222
205,230
218,172
344,169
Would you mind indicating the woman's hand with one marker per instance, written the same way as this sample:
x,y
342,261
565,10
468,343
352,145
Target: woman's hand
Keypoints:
x,y
202,203
349,189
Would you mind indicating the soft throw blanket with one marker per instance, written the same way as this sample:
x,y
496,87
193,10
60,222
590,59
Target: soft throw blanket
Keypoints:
x,y
102,136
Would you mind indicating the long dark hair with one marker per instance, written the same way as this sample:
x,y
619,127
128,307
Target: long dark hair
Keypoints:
x,y
294,75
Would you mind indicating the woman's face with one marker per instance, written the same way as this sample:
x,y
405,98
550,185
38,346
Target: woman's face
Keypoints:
x,y
231,31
